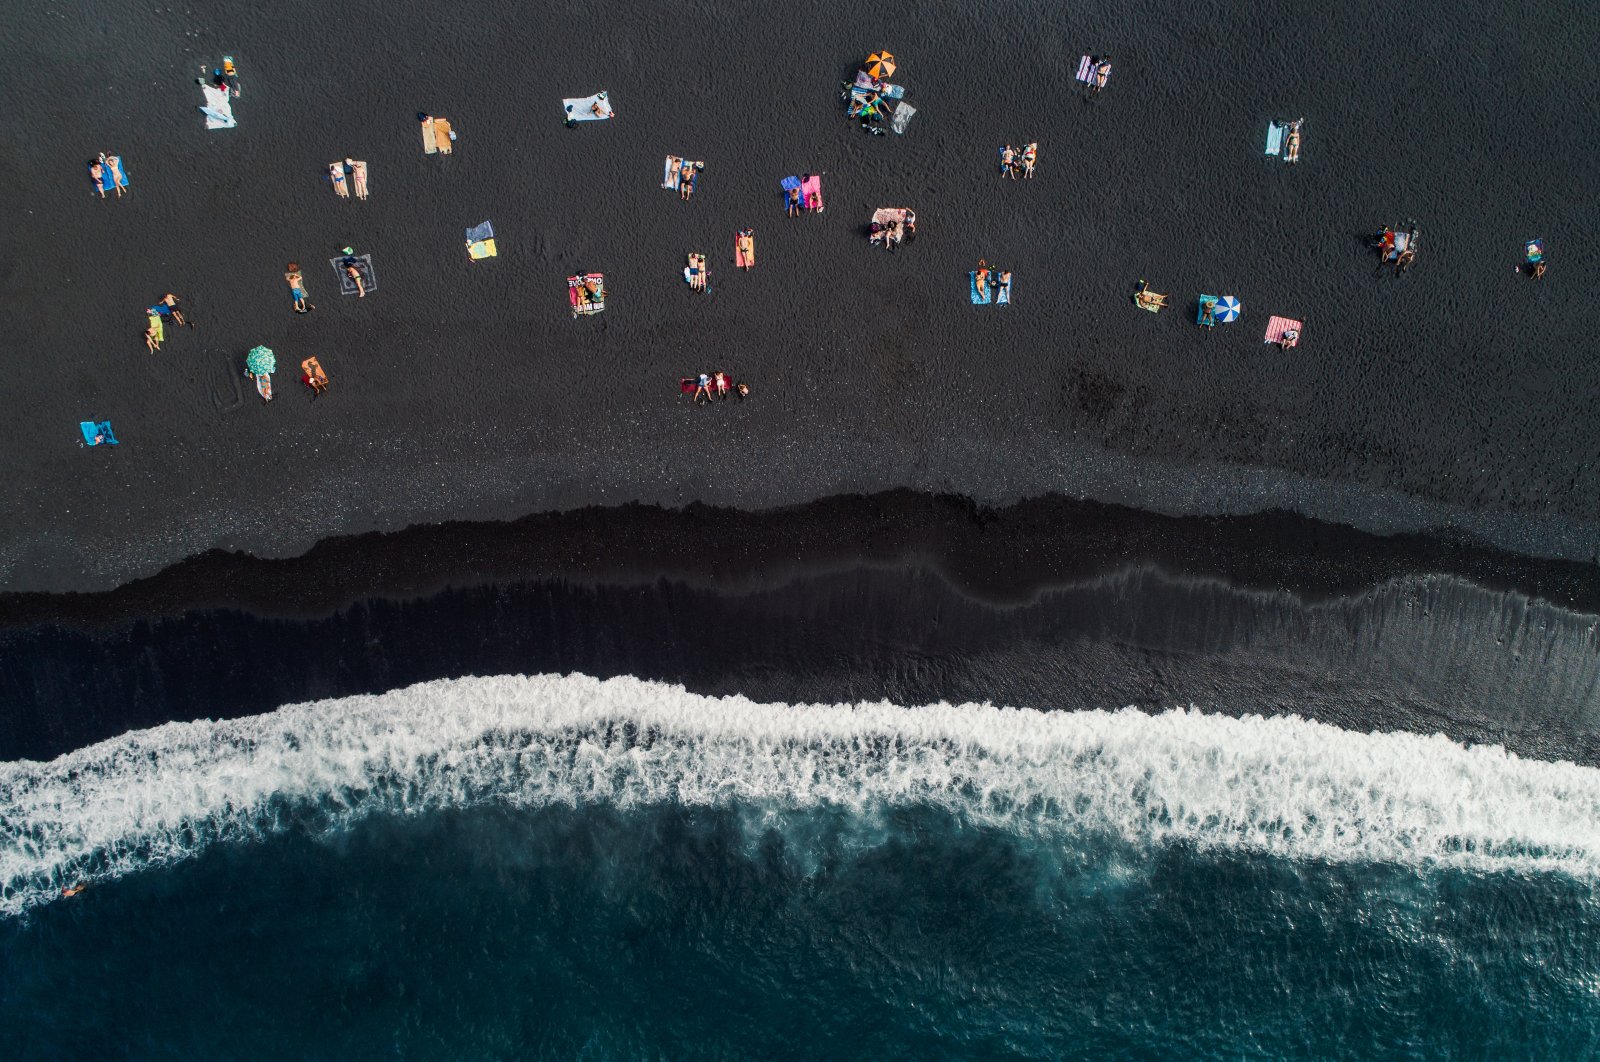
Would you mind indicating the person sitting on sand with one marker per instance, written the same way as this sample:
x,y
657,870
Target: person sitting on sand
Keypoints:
x,y
743,391
981,277
685,179
702,388
1008,157
1030,155
354,273
793,204
1291,336
152,341
1537,272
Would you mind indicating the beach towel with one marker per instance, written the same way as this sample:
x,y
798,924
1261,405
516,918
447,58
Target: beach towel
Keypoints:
x,y
480,241
430,143
157,321
811,192
1002,294
575,295
363,264
95,433
1085,69
583,110
218,108
1275,135
444,137
1277,326
980,298
788,184
902,117
314,375
1207,307
744,257
1534,249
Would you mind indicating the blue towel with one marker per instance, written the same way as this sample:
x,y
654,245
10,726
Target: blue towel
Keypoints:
x,y
95,434
480,232
979,300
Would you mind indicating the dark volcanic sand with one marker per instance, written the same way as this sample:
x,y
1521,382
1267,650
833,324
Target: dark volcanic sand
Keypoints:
x,y
902,597
463,390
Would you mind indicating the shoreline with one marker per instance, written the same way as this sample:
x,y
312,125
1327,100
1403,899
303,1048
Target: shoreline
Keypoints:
x,y
1053,604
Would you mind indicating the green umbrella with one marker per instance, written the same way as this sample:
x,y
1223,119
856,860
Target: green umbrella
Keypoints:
x,y
260,360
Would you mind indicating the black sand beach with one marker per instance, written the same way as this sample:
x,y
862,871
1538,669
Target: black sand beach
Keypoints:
x,y
1457,395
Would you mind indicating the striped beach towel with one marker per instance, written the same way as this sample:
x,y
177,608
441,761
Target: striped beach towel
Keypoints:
x,y
1278,326
1086,69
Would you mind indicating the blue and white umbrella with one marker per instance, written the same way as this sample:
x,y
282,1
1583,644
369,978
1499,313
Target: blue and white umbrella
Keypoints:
x,y
1228,308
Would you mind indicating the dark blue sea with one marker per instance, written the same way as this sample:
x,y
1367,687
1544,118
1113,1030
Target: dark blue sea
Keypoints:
x,y
559,867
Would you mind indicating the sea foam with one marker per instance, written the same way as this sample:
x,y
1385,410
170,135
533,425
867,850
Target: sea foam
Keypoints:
x,y
1280,785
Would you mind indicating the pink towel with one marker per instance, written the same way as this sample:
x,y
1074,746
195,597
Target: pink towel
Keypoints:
x,y
1278,326
811,192
1085,69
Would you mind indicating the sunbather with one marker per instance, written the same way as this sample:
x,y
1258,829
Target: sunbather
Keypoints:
x,y
97,174
723,385
702,388
336,173
1005,282
1007,160
743,391
981,278
297,286
168,307
354,273
1030,155
747,247
685,179
358,177
1102,72
152,341
793,205
118,178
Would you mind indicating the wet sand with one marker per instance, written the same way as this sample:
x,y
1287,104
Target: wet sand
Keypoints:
x,y
1458,395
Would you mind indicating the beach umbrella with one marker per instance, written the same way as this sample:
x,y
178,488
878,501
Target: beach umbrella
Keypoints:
x,y
1228,308
261,360
880,64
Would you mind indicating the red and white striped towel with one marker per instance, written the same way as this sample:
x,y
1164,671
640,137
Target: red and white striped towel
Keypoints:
x,y
1086,69
1278,326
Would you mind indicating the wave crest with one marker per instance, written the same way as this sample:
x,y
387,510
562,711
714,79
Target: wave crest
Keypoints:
x,y
1279,785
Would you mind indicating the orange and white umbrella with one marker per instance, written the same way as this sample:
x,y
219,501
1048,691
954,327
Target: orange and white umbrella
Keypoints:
x,y
880,64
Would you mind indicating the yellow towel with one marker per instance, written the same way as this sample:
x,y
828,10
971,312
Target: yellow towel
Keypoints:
x,y
482,249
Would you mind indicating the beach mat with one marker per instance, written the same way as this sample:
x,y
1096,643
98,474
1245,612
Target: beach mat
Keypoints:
x,y
581,109
577,301
977,298
429,144
363,264
480,242
218,108
96,433
1277,326
1275,135
158,322
441,136
902,117
811,192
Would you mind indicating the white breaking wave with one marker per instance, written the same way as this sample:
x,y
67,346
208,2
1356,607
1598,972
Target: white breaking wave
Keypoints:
x,y
1280,785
